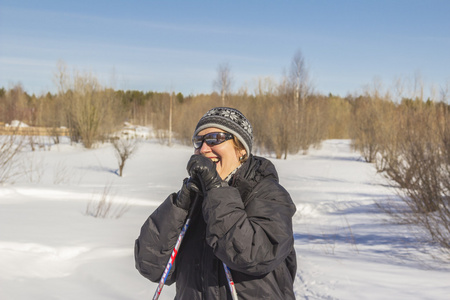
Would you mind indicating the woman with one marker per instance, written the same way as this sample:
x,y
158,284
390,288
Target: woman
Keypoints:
x,y
244,220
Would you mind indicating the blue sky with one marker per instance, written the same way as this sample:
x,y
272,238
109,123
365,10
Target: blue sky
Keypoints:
x,y
178,45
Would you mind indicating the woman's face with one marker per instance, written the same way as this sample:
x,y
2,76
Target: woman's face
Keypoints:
x,y
224,155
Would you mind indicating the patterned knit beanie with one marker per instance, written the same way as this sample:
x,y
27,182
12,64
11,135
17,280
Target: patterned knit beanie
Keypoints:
x,y
230,120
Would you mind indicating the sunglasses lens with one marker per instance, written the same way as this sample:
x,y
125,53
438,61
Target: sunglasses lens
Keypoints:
x,y
198,141
211,139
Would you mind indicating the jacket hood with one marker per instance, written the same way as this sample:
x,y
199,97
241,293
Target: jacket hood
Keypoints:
x,y
257,167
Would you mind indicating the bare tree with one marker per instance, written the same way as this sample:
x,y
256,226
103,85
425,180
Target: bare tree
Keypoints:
x,y
444,92
170,118
418,86
223,81
299,79
61,77
301,88
124,149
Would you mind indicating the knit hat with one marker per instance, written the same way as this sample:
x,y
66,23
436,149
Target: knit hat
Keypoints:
x,y
230,120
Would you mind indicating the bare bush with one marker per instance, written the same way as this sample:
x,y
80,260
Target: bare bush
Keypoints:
x,y
336,114
370,125
409,142
418,160
32,167
124,149
10,148
103,206
61,173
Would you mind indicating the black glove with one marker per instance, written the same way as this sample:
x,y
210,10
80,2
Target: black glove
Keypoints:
x,y
187,193
204,169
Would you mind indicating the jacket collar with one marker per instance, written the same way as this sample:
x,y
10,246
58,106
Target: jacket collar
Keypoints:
x,y
253,170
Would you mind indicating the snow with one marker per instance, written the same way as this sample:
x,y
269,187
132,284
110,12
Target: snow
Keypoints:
x,y
16,123
51,248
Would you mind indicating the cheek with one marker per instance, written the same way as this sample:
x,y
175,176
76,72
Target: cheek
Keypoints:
x,y
232,160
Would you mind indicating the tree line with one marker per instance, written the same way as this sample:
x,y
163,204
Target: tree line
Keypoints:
x,y
287,117
92,113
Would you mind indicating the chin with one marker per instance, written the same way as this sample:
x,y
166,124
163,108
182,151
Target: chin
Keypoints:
x,y
220,173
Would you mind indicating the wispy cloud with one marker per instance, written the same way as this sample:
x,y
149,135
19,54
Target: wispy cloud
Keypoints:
x,y
20,61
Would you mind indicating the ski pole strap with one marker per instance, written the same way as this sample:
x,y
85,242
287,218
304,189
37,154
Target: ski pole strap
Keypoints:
x,y
230,282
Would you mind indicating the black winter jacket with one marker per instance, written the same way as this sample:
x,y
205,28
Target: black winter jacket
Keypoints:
x,y
247,225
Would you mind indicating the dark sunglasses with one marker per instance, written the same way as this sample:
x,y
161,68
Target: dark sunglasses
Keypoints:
x,y
211,139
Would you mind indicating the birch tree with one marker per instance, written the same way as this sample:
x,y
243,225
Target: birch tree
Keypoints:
x,y
223,81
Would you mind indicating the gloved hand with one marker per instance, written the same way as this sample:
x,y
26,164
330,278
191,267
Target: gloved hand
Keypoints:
x,y
187,193
203,168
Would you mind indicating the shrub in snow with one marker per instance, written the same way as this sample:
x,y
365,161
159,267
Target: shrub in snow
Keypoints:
x,y
103,206
124,149
10,147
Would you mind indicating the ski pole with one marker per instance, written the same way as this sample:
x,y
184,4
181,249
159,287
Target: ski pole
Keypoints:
x,y
175,250
230,282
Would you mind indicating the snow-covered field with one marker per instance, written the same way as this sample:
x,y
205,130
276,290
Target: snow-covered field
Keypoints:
x,y
51,248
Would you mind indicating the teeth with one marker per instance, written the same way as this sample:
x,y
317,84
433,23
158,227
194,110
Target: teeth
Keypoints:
x,y
215,160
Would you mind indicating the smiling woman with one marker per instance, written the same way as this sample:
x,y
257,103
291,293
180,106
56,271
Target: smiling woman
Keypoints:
x,y
244,221
212,143
224,124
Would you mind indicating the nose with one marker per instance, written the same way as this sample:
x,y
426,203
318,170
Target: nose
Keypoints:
x,y
204,148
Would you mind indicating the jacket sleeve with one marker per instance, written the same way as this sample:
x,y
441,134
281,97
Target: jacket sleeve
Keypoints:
x,y
157,239
253,239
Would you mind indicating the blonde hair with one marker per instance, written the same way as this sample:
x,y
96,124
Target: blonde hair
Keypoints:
x,y
239,147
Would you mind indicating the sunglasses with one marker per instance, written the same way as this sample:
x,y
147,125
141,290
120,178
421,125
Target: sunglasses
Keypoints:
x,y
211,139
